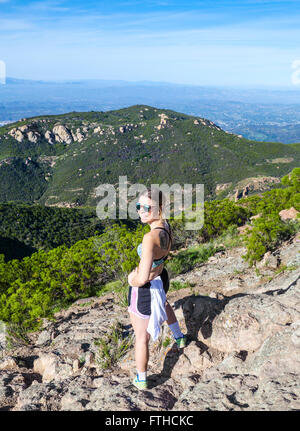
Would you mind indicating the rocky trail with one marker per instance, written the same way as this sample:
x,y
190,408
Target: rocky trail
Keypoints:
x,y
243,328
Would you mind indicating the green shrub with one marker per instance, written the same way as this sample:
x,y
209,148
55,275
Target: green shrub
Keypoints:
x,y
177,285
269,230
117,248
112,346
186,260
219,215
267,234
36,286
16,336
229,238
167,341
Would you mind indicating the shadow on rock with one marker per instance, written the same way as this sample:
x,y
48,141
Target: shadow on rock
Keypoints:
x,y
171,359
199,313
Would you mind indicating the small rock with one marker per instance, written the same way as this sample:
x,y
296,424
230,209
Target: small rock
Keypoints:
x,y
76,365
44,338
89,359
289,214
8,363
269,260
51,368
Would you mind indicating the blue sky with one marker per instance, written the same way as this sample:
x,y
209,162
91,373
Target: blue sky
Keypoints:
x,y
249,43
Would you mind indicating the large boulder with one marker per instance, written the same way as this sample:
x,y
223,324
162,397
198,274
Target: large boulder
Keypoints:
x,y
247,321
62,134
289,214
267,379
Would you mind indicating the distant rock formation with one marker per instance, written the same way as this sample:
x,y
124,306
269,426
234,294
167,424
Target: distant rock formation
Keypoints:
x,y
78,136
255,184
62,134
205,122
26,132
98,130
127,128
33,137
221,187
30,132
50,137
163,121
17,134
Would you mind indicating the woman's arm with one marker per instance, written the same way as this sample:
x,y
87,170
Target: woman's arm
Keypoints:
x,y
140,275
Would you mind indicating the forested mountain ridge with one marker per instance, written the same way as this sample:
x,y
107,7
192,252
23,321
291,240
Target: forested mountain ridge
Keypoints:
x,y
61,159
25,228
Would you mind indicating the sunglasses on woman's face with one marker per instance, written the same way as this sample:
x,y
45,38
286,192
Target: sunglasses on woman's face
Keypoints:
x,y
146,208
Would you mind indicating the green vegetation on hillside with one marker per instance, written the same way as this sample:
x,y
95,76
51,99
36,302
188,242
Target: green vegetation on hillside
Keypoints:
x,y
146,144
36,227
269,230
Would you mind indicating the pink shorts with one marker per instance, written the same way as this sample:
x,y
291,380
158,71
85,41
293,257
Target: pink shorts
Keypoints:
x,y
139,298
133,301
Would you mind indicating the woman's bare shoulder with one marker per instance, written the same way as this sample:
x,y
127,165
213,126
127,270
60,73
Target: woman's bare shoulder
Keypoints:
x,y
148,237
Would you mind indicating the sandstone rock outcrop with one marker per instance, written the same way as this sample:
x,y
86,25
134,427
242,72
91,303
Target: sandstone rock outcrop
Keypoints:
x,y
163,121
33,137
27,131
17,134
289,214
78,136
49,136
98,130
254,184
62,134
126,128
221,187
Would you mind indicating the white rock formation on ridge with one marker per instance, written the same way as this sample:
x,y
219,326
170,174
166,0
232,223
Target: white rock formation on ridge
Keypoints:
x,y
62,134
33,137
49,137
17,134
163,121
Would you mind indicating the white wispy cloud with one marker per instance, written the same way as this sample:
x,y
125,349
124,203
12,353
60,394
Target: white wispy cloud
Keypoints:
x,y
18,24
173,45
47,6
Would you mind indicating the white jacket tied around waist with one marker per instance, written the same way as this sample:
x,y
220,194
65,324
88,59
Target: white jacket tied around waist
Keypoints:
x,y
158,309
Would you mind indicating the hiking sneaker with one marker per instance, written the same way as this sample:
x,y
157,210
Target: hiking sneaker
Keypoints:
x,y
181,342
140,384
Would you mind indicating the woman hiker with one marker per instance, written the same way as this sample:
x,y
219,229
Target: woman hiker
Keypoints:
x,y
149,283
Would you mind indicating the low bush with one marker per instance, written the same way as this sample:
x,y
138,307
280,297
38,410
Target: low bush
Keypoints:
x,y
112,346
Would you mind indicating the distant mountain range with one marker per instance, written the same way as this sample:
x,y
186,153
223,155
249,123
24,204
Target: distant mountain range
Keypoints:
x,y
259,114
60,159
